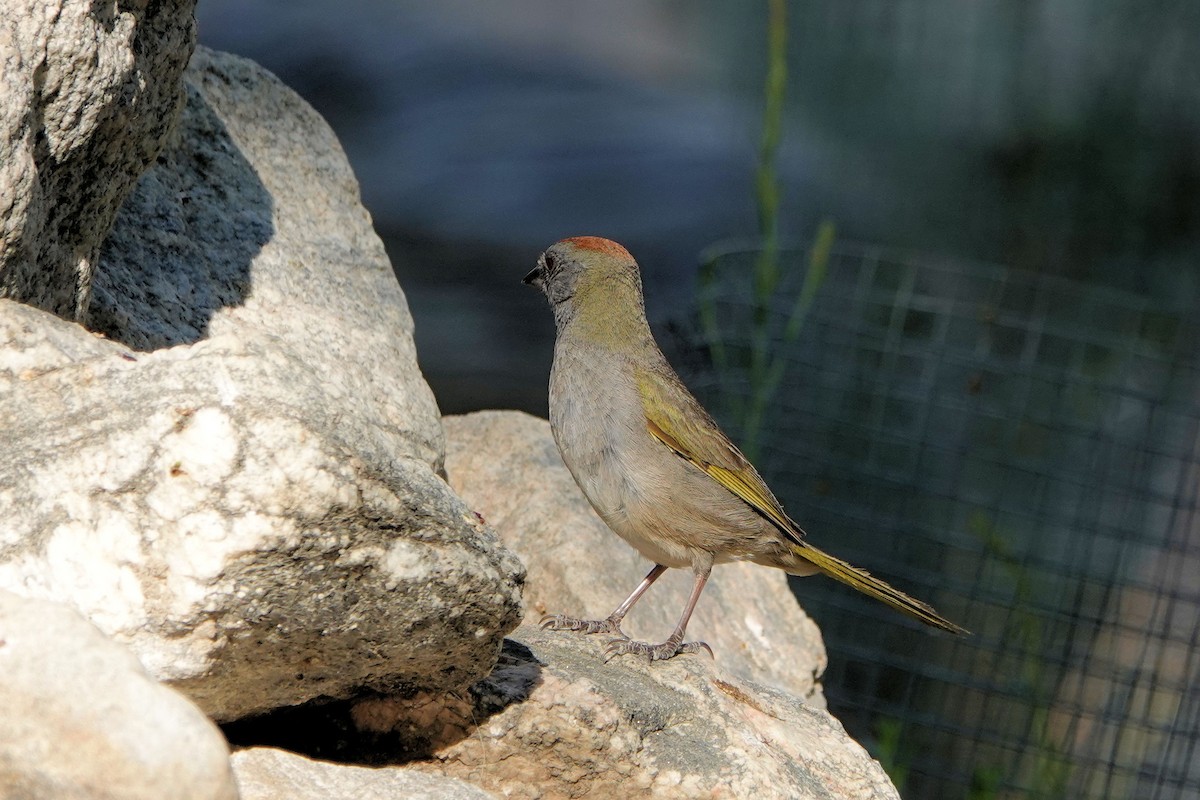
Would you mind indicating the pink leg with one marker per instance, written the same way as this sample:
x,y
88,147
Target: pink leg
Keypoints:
x,y
674,644
612,624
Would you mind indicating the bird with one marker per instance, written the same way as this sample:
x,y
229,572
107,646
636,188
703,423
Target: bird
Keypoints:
x,y
651,461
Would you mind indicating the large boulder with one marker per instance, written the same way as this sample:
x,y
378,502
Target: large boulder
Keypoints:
x,y
89,93
82,720
506,466
555,721
241,481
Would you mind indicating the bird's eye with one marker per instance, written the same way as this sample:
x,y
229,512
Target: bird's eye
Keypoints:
x,y
548,259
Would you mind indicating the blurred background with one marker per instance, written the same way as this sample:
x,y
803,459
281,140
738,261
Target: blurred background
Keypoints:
x,y
935,264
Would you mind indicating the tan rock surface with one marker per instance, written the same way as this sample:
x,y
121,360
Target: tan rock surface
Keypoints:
x,y
266,773
80,719
555,721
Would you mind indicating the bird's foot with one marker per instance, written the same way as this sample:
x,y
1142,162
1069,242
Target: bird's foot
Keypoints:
x,y
560,622
654,652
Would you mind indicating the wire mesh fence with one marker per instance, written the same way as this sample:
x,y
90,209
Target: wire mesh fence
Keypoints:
x,y
1020,450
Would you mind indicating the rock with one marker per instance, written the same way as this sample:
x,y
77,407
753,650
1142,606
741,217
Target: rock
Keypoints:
x,y
506,466
88,95
83,720
241,482
555,721
267,773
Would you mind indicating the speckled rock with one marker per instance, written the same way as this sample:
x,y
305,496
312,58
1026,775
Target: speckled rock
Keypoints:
x,y
555,721
89,93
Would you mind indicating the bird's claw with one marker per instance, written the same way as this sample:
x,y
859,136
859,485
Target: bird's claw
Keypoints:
x,y
561,622
653,652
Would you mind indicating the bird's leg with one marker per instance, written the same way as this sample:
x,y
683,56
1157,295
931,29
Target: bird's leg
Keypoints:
x,y
674,645
612,624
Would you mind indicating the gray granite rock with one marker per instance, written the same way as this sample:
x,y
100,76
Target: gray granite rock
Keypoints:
x,y
88,96
241,482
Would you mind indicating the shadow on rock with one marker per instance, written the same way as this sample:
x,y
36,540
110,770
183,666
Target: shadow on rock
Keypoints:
x,y
380,730
184,240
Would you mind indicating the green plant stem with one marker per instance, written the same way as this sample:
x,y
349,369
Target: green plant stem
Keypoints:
x,y
768,384
767,195
711,326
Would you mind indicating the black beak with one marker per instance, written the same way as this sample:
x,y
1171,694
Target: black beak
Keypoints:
x,y
534,277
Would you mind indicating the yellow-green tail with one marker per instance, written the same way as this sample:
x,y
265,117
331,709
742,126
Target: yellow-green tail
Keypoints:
x,y
868,584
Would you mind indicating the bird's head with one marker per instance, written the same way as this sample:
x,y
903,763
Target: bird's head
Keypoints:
x,y
590,278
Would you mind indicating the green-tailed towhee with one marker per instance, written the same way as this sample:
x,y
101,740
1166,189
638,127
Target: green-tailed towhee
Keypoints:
x,y
650,459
